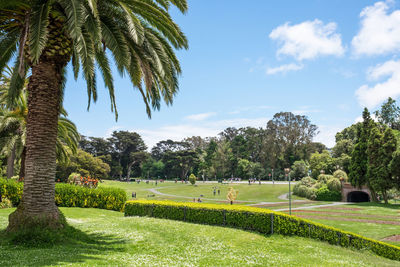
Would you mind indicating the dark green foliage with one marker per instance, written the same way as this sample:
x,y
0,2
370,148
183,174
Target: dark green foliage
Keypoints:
x,y
72,196
389,114
83,163
259,220
380,152
324,194
321,162
299,169
359,157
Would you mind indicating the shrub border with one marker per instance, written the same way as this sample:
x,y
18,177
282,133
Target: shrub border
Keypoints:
x,y
256,219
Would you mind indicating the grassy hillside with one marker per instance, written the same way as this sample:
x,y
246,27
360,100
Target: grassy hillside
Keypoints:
x,y
111,239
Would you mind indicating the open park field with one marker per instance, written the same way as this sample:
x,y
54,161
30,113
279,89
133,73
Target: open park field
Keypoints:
x,y
109,238
248,194
377,221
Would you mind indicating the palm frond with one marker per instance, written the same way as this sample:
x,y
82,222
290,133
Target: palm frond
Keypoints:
x,y
39,20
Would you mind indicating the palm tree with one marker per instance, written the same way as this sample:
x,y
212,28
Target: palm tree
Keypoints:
x,y
13,131
44,35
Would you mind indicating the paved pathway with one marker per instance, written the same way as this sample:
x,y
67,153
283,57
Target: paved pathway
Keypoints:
x,y
155,191
284,196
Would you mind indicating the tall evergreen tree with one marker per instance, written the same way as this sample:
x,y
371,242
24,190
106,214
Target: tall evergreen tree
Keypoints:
x,y
380,153
359,157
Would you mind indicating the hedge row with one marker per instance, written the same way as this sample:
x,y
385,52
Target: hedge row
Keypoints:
x,y
68,195
256,219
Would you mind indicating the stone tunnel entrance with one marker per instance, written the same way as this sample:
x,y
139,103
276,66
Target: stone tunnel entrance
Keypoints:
x,y
355,194
358,196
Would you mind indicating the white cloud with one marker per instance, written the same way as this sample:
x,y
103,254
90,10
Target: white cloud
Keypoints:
x,y
327,134
284,68
380,30
308,40
112,129
304,110
200,116
370,97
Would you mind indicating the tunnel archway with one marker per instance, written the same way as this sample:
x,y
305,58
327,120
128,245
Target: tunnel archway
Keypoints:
x,y
358,196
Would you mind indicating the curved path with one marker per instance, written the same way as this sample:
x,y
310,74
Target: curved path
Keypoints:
x,y
155,191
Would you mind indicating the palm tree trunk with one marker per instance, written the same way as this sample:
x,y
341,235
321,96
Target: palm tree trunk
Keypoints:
x,y
22,168
10,163
37,207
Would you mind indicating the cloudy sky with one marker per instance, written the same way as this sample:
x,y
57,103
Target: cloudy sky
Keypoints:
x,y
248,60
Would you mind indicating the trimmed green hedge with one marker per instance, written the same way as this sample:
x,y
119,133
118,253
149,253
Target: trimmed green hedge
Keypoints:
x,y
68,195
256,219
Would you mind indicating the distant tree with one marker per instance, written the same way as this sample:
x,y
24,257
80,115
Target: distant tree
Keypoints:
x,y
299,169
359,158
163,147
83,163
135,158
343,162
389,114
380,153
153,168
125,143
321,162
344,146
395,168
243,168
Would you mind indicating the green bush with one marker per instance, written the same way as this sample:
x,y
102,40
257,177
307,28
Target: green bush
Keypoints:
x,y
334,185
192,179
12,190
68,195
259,220
102,198
300,190
307,181
324,178
341,175
311,193
324,194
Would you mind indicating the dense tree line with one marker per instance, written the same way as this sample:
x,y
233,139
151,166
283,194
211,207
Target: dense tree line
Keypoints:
x,y
236,152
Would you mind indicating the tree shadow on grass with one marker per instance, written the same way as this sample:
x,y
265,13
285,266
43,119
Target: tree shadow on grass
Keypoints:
x,y
72,247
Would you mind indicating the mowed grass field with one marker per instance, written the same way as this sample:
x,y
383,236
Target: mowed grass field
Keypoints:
x,y
377,221
110,239
248,194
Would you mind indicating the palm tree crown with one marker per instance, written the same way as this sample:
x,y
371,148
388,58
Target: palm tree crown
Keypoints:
x,y
139,34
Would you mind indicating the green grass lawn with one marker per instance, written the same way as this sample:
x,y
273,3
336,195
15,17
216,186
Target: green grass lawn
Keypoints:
x,y
361,211
114,240
186,192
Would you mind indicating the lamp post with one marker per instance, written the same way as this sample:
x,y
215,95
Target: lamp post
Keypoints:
x,y
287,174
273,176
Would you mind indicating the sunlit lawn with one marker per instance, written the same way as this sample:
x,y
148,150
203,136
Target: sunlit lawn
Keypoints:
x,y
114,240
363,211
186,192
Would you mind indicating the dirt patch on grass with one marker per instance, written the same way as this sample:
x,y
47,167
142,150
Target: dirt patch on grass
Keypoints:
x,y
348,214
281,204
395,238
343,208
347,219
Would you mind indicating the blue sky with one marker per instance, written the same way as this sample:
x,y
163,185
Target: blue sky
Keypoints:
x,y
248,60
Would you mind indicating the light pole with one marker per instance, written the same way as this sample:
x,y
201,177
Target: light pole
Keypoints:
x,y
273,176
287,173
